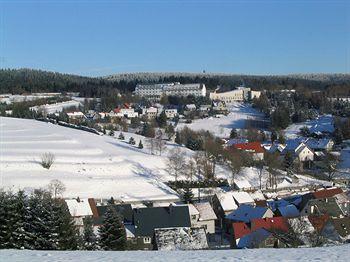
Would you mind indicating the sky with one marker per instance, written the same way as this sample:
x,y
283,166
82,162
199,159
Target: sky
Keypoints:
x,y
97,38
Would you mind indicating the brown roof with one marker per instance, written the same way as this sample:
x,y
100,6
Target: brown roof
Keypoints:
x,y
256,147
318,222
93,207
324,193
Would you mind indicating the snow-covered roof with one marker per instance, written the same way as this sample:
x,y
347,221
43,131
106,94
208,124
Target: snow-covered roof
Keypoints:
x,y
79,208
130,231
257,195
206,212
193,211
226,201
242,183
319,143
243,198
245,213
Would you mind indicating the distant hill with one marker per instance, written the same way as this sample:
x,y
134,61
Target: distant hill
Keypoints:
x,y
28,80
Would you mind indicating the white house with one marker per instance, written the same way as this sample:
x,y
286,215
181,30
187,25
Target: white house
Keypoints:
x,y
304,153
76,115
150,112
170,113
79,209
202,215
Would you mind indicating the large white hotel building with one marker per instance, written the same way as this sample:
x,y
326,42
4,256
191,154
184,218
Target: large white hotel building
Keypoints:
x,y
156,91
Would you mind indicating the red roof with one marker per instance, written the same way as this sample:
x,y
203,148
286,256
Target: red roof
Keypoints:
x,y
273,223
240,229
318,222
251,146
116,110
324,193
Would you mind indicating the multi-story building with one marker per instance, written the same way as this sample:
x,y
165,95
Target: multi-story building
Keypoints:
x,y
238,95
156,91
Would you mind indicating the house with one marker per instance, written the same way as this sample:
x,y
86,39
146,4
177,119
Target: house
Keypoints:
x,y
254,148
276,224
319,221
322,206
327,192
206,217
260,238
171,113
224,204
288,211
299,150
219,105
146,220
245,213
190,107
150,112
243,198
79,209
180,238
343,202
317,145
76,115
259,198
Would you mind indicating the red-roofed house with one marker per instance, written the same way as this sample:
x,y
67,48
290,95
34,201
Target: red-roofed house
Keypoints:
x,y
254,148
325,193
270,224
240,229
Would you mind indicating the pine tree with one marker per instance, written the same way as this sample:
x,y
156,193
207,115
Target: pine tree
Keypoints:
x,y
132,141
67,231
89,237
4,230
162,119
112,232
233,133
140,146
20,210
121,136
111,132
41,222
187,195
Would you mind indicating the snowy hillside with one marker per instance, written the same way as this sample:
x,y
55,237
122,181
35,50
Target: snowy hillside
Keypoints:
x,y
335,253
222,125
89,165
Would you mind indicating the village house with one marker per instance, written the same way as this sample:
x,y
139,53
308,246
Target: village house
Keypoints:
x,y
204,218
246,213
150,112
223,204
219,106
171,113
146,220
317,145
253,148
80,209
239,94
76,116
323,202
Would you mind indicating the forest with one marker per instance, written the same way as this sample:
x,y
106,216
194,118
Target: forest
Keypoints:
x,y
19,81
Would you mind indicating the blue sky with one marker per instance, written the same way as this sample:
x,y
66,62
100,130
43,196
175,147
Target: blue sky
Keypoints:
x,y
97,38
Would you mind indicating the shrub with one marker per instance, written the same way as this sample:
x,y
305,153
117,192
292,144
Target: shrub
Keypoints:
x,y
47,159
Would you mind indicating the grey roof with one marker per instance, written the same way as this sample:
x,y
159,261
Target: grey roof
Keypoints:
x,y
124,210
147,219
245,213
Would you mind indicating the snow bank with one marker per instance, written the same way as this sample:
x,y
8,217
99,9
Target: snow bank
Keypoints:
x,y
334,253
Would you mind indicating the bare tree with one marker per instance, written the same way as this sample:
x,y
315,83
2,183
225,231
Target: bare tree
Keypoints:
x,y
190,169
176,163
329,166
56,187
273,164
47,159
234,162
150,144
159,142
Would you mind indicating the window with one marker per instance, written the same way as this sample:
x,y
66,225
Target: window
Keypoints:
x,y
147,240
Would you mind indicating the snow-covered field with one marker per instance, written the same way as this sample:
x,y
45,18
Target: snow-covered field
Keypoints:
x,y
334,253
221,126
89,165
323,123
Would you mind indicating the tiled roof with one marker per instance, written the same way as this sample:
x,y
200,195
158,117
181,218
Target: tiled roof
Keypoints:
x,y
324,193
252,146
